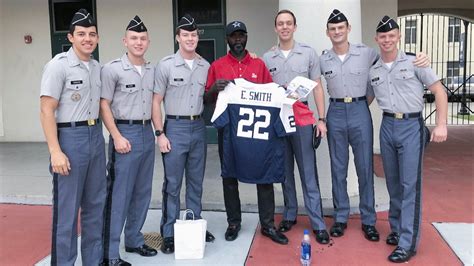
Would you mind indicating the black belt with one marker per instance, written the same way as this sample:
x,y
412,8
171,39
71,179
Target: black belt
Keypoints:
x,y
90,122
133,122
185,117
403,115
348,99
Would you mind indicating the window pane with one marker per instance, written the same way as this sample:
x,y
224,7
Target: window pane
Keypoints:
x,y
410,31
206,48
452,69
204,11
64,11
457,32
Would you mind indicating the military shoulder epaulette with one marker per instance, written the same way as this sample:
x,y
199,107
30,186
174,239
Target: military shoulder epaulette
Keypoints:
x,y
61,55
304,45
116,60
168,57
325,51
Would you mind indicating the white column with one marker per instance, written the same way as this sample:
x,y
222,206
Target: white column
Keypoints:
x,y
2,22
311,17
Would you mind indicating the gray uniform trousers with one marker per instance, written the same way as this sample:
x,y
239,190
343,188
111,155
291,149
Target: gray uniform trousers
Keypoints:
x,y
129,186
351,124
187,156
401,144
300,146
84,188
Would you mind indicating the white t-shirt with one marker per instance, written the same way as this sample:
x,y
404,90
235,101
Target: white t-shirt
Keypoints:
x,y
86,63
189,62
389,65
342,56
139,69
286,52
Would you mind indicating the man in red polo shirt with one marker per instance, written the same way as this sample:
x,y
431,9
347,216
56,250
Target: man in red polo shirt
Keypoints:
x,y
239,64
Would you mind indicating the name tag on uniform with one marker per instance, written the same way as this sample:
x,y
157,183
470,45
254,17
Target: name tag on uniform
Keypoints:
x,y
272,69
375,79
128,86
178,79
403,70
328,72
76,82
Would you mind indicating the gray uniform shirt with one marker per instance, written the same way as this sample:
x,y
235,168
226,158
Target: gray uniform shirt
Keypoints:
x,y
348,78
400,88
67,79
130,93
301,61
181,87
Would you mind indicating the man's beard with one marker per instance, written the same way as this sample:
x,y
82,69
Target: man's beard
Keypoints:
x,y
238,48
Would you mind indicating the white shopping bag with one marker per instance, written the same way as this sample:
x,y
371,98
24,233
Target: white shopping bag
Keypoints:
x,y
189,237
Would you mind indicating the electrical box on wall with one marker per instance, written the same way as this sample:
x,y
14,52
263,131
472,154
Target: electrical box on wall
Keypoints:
x,y
28,39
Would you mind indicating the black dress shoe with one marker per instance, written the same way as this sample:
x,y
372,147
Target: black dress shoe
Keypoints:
x,y
232,232
168,245
285,225
392,239
337,229
370,232
275,235
400,255
144,250
209,237
115,262
321,236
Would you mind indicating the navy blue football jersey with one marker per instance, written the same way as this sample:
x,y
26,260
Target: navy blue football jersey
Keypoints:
x,y
255,119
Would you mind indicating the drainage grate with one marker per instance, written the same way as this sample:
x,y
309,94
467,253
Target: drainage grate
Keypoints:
x,y
153,239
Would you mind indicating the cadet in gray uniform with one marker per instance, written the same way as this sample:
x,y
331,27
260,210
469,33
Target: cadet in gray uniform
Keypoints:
x,y
346,68
127,92
398,87
286,61
70,93
179,83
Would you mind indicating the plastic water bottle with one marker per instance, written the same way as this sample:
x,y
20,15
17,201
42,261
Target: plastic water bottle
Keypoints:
x,y
306,249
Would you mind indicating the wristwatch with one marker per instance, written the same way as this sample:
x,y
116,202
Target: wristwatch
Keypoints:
x,y
158,132
322,119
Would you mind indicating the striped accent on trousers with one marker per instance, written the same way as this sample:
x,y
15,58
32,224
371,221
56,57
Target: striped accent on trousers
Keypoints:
x,y
417,209
54,257
108,202
164,204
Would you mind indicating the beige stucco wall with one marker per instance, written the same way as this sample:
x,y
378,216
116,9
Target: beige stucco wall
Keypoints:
x,y
258,17
1,68
21,66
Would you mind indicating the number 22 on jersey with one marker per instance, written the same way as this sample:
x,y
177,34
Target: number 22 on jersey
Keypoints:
x,y
247,119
